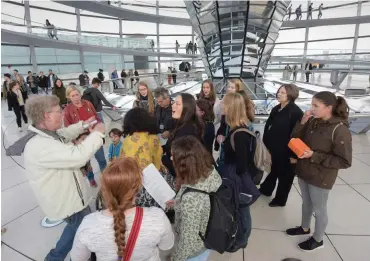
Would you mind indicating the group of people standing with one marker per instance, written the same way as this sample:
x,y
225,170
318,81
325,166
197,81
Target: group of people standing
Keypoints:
x,y
288,71
191,48
178,137
298,12
16,88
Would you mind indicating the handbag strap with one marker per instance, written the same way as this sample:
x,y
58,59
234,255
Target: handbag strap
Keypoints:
x,y
133,234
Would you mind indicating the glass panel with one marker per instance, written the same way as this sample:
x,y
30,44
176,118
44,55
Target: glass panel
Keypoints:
x,y
363,45
364,29
288,49
330,46
331,31
292,35
365,9
133,27
15,55
99,24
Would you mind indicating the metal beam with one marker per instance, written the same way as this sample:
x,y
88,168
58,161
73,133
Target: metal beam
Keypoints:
x,y
329,21
17,37
220,38
244,39
355,40
313,60
78,28
158,47
27,16
103,8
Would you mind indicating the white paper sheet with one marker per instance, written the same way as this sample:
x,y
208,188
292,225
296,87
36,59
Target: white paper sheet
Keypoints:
x,y
161,140
157,186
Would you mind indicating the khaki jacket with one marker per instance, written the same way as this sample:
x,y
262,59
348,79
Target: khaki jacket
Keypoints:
x,y
331,143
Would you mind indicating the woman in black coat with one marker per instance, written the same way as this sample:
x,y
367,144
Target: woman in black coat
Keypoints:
x,y
276,137
17,100
187,123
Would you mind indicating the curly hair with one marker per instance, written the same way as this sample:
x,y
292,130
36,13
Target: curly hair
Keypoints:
x,y
139,120
120,182
191,160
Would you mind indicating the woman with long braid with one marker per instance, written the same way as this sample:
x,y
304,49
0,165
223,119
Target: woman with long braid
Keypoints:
x,y
111,232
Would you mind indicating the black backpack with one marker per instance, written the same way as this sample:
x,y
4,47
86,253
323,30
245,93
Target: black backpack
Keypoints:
x,y
88,96
222,225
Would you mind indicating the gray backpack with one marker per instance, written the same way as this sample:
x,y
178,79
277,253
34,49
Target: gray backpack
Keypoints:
x,y
261,157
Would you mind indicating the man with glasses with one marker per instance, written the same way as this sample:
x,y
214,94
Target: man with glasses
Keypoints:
x,y
163,112
53,163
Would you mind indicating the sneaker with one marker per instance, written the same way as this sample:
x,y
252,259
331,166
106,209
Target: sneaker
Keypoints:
x,y
310,245
93,183
297,231
20,129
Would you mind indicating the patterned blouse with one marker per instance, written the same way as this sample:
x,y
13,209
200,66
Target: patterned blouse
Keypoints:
x,y
144,147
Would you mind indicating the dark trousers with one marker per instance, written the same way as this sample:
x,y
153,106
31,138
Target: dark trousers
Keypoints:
x,y
174,78
19,113
307,77
283,171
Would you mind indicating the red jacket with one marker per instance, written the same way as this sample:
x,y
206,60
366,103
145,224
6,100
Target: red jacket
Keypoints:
x,y
71,113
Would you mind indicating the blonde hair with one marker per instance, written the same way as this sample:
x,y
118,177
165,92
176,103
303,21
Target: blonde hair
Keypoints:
x,y
37,106
70,89
239,85
235,110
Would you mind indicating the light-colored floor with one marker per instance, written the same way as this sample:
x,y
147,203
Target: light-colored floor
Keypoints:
x,y
347,239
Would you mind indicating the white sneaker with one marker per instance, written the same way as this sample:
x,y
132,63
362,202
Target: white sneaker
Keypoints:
x,y
20,129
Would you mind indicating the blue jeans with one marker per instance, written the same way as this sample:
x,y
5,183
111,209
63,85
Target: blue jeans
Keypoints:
x,y
90,176
65,242
201,257
100,157
100,115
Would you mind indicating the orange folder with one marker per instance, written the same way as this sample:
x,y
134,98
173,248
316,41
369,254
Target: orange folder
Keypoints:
x,y
298,146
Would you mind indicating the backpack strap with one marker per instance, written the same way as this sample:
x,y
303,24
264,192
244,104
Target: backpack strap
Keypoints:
x,y
240,130
335,128
193,190
134,233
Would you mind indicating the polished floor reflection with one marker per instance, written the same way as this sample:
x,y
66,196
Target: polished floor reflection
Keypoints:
x,y
347,238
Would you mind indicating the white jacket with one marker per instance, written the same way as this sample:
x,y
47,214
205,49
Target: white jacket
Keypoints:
x,y
53,170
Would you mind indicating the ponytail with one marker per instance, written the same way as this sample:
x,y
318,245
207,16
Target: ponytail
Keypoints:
x,y
341,109
339,104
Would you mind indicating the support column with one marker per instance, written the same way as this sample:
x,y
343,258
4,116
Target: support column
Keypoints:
x,y
305,48
158,45
121,36
78,29
120,21
192,40
354,48
27,16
